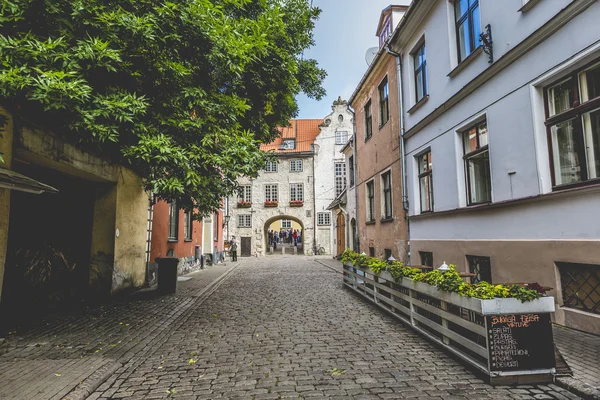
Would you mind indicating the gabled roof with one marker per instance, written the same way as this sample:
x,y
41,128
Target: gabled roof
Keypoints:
x,y
303,131
387,12
341,199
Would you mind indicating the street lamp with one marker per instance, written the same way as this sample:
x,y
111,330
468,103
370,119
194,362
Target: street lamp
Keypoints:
x,y
444,267
391,259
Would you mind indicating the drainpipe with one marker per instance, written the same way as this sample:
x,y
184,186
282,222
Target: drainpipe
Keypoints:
x,y
353,144
401,139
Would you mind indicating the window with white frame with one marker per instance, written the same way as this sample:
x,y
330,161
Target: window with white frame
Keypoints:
x,y
271,166
286,224
425,181
477,164
386,195
341,137
271,192
573,127
420,63
468,27
245,221
295,165
323,218
371,201
245,194
296,192
340,178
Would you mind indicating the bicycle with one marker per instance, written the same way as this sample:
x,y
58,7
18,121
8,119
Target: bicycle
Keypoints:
x,y
319,250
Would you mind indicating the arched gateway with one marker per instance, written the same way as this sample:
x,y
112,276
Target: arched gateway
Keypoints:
x,y
285,224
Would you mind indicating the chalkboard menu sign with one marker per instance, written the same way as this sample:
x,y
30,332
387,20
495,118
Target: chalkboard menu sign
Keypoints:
x,y
519,342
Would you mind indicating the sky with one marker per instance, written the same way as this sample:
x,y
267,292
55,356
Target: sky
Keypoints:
x,y
343,33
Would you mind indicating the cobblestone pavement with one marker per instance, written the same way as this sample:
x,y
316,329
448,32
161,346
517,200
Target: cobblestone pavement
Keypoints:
x,y
582,353
63,356
284,328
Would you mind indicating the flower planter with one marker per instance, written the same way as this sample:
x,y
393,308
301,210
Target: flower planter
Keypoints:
x,y
509,340
271,203
244,205
296,203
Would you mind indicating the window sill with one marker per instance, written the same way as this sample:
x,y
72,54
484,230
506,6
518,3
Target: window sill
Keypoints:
x,y
368,138
466,62
370,223
419,104
384,124
528,6
188,240
589,182
173,241
386,220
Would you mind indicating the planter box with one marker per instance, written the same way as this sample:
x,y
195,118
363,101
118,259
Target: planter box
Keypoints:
x,y
244,205
275,204
296,203
507,339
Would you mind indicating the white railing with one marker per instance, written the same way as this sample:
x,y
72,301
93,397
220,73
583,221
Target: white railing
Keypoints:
x,y
463,325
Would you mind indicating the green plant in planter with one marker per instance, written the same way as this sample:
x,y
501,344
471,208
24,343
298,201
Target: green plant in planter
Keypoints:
x,y
375,264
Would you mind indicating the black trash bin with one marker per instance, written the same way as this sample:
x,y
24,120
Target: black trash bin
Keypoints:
x,y
167,274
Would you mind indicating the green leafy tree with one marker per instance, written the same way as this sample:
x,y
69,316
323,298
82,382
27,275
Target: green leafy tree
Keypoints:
x,y
183,91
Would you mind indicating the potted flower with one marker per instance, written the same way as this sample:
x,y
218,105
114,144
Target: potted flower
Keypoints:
x,y
244,204
296,203
271,203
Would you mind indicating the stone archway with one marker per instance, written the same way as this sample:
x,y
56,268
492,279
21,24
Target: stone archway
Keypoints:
x,y
296,224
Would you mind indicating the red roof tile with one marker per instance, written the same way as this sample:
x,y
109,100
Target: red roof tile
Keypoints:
x,y
304,131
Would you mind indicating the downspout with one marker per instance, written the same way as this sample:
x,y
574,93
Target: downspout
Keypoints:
x,y
353,144
314,201
401,139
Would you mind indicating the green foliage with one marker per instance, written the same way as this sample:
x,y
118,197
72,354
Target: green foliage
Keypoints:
x,y
183,91
448,281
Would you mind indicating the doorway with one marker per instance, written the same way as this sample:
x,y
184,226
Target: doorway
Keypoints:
x,y
246,248
341,233
284,234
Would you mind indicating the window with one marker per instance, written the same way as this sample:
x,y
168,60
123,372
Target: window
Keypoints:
x,y
173,221
426,258
420,72
580,285
296,166
573,127
481,267
245,221
368,121
387,253
288,144
468,27
477,164
245,194
385,32
187,225
286,224
384,106
271,166
351,165
323,218
425,182
340,178
296,192
371,201
271,193
341,137
371,251
386,186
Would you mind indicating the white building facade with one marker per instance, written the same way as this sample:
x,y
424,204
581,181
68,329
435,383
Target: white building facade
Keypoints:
x,y
502,136
331,172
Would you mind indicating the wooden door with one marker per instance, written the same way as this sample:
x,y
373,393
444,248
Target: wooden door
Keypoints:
x,y
246,250
341,233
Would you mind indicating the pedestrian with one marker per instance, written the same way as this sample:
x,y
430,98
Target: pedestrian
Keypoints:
x,y
233,248
295,236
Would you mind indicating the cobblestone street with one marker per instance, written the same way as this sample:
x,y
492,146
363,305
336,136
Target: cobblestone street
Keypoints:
x,y
275,328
